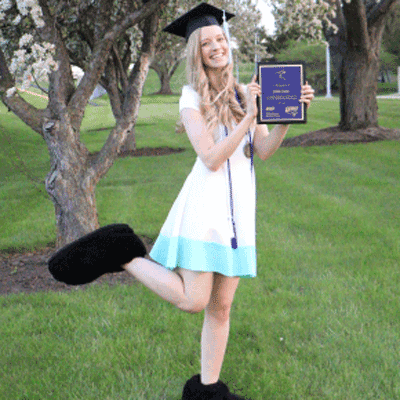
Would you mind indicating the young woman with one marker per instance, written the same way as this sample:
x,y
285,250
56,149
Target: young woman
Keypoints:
x,y
209,234
208,240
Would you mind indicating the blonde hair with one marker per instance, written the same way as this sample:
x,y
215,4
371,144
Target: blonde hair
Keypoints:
x,y
217,105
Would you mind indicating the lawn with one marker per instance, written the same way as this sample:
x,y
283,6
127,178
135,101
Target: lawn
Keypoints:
x,y
320,321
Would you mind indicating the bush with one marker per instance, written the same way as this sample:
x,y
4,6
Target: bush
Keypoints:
x,y
314,56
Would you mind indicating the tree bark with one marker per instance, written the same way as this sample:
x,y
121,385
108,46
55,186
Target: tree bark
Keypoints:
x,y
130,142
359,85
67,183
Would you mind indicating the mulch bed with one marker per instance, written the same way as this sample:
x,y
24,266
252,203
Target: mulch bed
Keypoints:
x,y
334,135
27,272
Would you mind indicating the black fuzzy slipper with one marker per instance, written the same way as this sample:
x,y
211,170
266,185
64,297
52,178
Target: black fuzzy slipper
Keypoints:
x,y
195,390
102,251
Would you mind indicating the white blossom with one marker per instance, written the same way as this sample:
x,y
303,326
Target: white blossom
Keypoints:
x,y
25,40
39,62
11,92
5,5
3,41
308,15
17,20
26,7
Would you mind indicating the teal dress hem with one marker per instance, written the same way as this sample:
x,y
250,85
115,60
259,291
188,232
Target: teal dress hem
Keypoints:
x,y
197,255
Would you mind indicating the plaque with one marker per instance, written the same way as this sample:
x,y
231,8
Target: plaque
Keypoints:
x,y
280,93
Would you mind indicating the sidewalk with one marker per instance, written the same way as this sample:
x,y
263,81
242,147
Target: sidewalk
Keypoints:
x,y
394,96
391,96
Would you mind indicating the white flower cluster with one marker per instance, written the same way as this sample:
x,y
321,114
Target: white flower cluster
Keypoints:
x,y
4,6
31,7
37,63
33,60
308,15
25,7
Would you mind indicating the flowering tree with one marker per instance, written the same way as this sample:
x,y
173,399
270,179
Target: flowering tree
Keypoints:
x,y
354,30
35,41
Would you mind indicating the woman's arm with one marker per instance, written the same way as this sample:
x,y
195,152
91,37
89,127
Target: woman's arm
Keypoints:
x,y
267,143
213,155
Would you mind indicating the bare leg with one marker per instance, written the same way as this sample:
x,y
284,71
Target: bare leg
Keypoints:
x,y
215,333
188,290
214,339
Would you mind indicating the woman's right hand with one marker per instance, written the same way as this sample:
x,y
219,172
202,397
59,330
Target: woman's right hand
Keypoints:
x,y
253,90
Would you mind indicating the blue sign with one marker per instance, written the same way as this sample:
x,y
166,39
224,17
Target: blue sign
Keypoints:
x,y
281,92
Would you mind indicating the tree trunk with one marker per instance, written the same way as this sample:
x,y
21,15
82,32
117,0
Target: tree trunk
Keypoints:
x,y
165,80
165,84
130,142
357,70
355,52
67,183
359,84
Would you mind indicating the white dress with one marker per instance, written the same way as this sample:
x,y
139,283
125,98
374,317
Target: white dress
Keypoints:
x,y
197,234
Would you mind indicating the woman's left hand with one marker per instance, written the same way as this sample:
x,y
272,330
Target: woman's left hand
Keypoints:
x,y
307,94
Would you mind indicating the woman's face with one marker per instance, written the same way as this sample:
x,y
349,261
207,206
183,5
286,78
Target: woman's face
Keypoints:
x,y
214,47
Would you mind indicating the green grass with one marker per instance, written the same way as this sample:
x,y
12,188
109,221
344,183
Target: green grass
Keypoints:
x,y
320,321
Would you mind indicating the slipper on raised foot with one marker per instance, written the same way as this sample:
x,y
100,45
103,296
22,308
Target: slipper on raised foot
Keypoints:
x,y
102,251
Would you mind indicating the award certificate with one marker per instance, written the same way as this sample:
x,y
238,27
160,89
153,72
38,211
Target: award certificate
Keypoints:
x,y
280,93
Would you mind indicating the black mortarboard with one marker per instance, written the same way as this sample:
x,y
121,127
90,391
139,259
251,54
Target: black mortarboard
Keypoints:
x,y
202,15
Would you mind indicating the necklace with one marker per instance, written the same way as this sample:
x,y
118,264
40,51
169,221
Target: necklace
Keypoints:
x,y
248,152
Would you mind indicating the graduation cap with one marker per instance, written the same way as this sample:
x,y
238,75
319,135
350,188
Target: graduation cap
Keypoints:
x,y
202,15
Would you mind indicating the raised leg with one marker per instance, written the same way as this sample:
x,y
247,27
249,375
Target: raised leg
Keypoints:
x,y
188,290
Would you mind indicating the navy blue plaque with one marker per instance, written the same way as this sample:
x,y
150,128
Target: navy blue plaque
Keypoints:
x,y
280,93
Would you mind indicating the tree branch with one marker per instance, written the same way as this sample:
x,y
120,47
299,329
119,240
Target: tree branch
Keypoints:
x,y
104,160
101,53
61,81
120,68
6,79
176,64
380,10
39,86
29,114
